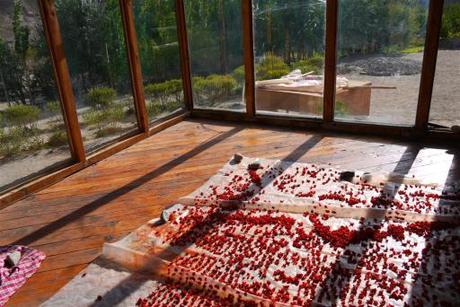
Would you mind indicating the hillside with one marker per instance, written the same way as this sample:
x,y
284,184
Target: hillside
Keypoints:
x,y
30,12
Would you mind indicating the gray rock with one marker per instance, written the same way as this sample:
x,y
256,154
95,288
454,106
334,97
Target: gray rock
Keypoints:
x,y
380,65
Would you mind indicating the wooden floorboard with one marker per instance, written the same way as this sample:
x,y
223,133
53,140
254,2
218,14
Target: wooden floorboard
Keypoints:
x,y
71,220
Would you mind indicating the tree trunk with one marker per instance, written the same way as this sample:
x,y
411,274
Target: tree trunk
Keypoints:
x,y
222,38
5,92
287,47
268,13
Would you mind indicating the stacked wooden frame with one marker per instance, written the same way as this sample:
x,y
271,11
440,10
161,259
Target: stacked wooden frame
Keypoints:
x,y
67,99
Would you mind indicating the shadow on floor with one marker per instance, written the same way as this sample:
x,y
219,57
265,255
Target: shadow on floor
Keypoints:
x,y
75,215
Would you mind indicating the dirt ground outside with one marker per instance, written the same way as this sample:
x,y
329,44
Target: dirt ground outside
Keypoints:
x,y
445,103
398,106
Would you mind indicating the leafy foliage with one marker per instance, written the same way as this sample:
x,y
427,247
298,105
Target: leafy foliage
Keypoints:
x,y
106,121
164,90
368,26
101,97
25,70
93,38
155,23
315,64
103,117
19,140
271,67
53,107
451,21
154,109
238,74
21,115
214,88
292,29
57,139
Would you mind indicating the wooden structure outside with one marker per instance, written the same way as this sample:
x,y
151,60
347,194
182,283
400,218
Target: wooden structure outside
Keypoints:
x,y
356,99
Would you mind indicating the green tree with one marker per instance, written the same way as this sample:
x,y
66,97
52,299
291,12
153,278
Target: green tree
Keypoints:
x,y
94,43
21,32
451,21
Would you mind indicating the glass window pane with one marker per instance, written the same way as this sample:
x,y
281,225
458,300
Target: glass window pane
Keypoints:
x,y
94,43
289,56
159,49
380,53
33,138
215,42
445,102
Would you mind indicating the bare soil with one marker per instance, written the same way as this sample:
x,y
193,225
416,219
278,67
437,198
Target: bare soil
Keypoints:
x,y
398,106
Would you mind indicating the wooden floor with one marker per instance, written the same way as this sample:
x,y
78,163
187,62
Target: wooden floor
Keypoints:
x,y
72,219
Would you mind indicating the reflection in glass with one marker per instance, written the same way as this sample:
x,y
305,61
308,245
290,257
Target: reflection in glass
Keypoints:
x,y
380,52
33,138
289,56
159,51
94,43
214,32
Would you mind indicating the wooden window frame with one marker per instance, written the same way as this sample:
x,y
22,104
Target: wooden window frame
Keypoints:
x,y
184,54
434,23
248,57
62,76
134,60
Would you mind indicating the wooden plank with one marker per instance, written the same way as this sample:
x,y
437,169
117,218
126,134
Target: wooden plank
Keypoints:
x,y
169,121
330,60
16,194
248,55
134,65
310,123
430,56
184,54
115,147
63,81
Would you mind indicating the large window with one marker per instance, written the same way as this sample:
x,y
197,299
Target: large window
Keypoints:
x,y
289,56
215,42
33,138
380,53
94,44
445,102
159,49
